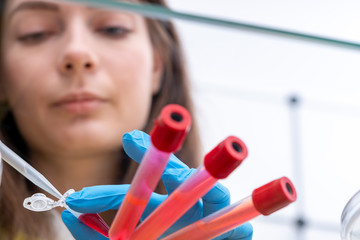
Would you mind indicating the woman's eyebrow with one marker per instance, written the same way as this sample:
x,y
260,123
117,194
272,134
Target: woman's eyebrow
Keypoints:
x,y
34,5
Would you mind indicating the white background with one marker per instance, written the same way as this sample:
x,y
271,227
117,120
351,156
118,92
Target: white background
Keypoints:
x,y
242,84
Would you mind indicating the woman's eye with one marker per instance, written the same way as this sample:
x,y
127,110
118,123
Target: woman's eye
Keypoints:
x,y
35,37
115,32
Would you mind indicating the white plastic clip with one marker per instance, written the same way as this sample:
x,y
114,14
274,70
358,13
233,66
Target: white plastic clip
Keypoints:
x,y
40,203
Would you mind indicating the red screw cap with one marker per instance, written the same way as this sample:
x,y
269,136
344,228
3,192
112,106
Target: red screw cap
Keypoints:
x,y
225,157
273,196
171,128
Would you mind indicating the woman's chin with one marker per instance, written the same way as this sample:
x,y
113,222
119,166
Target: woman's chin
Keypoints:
x,y
88,149
89,144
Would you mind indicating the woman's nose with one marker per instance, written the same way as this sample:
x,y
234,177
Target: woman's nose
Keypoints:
x,y
77,61
77,51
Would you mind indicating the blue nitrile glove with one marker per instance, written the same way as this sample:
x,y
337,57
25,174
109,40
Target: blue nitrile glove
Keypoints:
x,y
102,198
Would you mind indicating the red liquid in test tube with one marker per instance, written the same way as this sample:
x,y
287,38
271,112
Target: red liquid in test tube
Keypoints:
x,y
167,136
264,200
92,220
95,222
218,164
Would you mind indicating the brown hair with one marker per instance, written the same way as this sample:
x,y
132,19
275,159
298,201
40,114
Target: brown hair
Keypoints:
x,y
174,89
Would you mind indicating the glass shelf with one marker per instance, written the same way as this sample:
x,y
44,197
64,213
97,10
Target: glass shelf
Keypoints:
x,y
159,12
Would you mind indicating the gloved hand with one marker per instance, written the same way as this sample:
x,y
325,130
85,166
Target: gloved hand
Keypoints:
x,y
102,198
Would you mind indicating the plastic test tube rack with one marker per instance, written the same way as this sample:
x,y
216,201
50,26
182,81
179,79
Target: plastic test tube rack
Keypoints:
x,y
167,136
218,164
264,200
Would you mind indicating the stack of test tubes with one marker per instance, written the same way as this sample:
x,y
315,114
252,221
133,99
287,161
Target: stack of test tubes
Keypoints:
x,y
167,136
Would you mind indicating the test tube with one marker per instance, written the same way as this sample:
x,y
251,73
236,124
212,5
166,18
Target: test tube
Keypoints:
x,y
92,220
167,136
264,200
218,164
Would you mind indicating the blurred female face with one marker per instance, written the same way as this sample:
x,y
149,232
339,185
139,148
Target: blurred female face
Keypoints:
x,y
77,78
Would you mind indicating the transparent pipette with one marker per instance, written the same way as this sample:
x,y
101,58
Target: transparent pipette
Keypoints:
x,y
28,171
92,220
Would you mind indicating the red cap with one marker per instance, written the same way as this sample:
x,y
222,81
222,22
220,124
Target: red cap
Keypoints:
x,y
171,127
273,196
225,157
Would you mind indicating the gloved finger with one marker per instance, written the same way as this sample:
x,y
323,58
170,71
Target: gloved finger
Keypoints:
x,y
97,198
79,230
136,143
217,198
172,178
104,197
243,232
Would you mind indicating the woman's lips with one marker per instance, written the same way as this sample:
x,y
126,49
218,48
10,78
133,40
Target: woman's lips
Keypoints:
x,y
81,103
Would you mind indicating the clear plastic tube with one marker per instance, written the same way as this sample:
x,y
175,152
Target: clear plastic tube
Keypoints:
x,y
219,222
92,220
95,222
231,152
145,180
175,205
264,200
167,136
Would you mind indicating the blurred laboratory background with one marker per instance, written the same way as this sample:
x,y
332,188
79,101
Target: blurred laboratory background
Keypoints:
x,y
295,103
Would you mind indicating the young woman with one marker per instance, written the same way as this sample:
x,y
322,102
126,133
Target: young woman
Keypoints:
x,y
74,80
